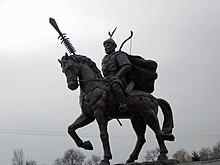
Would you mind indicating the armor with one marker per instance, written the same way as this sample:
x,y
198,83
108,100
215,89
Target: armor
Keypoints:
x,y
114,66
112,63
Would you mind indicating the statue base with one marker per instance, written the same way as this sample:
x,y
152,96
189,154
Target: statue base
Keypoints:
x,y
158,162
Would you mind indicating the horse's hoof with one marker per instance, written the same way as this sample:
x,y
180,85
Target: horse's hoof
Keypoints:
x,y
104,162
162,157
169,137
129,161
87,145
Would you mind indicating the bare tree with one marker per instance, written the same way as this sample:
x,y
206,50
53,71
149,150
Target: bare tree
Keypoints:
x,y
182,156
152,155
30,162
210,153
205,154
58,161
93,161
71,157
18,157
216,151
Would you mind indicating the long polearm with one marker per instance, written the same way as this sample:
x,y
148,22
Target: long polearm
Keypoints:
x,y
62,37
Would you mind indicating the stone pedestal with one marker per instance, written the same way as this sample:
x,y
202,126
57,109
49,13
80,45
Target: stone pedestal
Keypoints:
x,y
159,162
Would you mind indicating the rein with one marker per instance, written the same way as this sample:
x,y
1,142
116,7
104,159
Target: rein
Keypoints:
x,y
89,80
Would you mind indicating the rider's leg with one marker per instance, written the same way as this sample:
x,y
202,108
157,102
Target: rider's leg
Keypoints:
x,y
119,95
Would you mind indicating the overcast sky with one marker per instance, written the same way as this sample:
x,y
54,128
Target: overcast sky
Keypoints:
x,y
36,106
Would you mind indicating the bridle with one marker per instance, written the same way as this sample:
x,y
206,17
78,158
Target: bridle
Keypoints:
x,y
88,80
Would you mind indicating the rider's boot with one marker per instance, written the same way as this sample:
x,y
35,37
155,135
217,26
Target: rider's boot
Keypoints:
x,y
121,100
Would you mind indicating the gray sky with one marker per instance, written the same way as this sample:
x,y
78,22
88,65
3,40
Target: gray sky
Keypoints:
x,y
182,36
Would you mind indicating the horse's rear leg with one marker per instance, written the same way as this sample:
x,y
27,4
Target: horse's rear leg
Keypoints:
x,y
152,121
139,128
81,121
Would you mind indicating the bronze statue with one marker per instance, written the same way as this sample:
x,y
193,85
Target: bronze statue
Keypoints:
x,y
98,103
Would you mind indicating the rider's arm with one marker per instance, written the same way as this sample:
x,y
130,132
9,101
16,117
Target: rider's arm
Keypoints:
x,y
123,70
124,64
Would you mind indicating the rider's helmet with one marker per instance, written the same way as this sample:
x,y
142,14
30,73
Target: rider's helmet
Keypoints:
x,y
110,40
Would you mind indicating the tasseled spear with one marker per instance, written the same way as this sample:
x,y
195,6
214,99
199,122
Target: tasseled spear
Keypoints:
x,y
62,37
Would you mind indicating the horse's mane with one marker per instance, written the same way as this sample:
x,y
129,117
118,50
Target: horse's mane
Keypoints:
x,y
89,62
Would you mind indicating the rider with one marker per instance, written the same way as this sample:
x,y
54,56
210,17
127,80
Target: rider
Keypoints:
x,y
115,65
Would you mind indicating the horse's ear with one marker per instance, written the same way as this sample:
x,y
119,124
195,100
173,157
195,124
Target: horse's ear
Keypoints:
x,y
60,61
66,55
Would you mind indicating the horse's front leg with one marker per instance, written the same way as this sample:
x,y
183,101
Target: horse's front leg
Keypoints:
x,y
102,123
81,121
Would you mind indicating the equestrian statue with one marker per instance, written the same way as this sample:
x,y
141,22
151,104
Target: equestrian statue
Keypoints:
x,y
124,91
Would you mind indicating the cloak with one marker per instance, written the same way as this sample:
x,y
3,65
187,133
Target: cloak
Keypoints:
x,y
143,73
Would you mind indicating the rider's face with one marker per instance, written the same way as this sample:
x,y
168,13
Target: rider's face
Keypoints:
x,y
109,48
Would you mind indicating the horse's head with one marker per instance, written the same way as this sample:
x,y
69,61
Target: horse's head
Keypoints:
x,y
71,70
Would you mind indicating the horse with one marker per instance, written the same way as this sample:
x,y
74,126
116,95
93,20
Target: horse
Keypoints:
x,y
96,105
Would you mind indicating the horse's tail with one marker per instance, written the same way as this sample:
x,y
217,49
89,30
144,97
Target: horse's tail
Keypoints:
x,y
168,118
